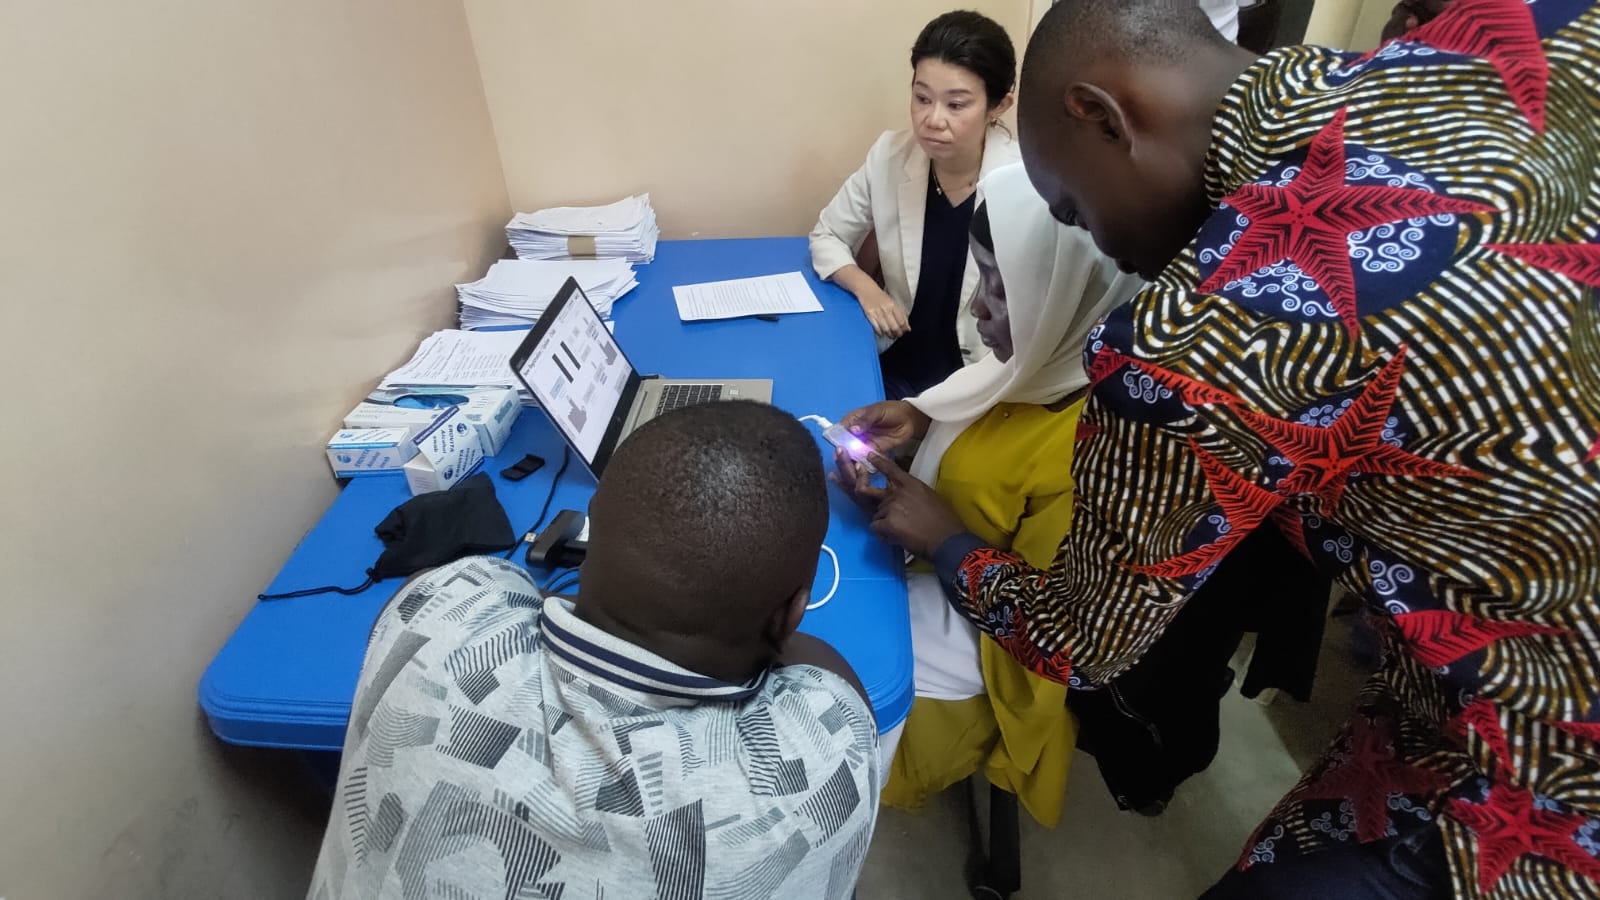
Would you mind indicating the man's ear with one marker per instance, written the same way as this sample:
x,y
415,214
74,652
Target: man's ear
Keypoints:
x,y
1093,106
785,618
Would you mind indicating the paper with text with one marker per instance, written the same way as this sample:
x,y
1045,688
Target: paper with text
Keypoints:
x,y
460,359
766,295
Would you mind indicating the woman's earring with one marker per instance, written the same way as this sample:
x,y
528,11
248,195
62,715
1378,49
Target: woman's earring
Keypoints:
x,y
994,123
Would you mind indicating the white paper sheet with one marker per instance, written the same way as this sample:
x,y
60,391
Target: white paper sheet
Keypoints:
x,y
516,291
626,229
460,359
766,295
613,218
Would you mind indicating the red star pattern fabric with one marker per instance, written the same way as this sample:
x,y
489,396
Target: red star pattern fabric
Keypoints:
x,y
1244,504
1504,33
1482,717
1510,826
1589,731
1308,222
1473,535
1580,262
1017,642
1325,457
1439,637
1056,667
973,567
1192,391
1368,776
1293,527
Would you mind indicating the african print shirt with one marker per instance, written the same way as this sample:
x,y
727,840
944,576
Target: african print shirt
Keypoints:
x,y
501,747
1383,342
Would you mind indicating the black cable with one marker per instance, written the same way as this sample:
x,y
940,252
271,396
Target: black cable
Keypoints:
x,y
566,457
372,579
566,582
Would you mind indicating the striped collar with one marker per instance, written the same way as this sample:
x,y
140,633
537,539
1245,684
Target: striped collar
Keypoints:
x,y
597,656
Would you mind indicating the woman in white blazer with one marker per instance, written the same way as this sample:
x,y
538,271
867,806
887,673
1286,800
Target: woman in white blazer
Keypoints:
x,y
915,194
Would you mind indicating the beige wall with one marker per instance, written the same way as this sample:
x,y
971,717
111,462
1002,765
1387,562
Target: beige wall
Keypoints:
x,y
1348,24
740,118
220,223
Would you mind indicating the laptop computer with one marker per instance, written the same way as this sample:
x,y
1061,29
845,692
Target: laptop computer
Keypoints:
x,y
572,364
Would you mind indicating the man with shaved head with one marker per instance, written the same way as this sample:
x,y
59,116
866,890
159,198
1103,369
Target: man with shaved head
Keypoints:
x,y
1370,325
666,734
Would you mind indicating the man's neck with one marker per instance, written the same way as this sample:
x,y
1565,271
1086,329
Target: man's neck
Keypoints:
x,y
1185,104
700,654
1203,89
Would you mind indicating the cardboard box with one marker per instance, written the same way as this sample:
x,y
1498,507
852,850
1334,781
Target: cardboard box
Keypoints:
x,y
491,410
446,452
353,452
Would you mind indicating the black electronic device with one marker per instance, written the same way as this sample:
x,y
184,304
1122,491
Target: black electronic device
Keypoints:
x,y
522,468
559,544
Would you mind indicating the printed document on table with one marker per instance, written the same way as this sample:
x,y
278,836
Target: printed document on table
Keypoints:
x,y
460,359
766,295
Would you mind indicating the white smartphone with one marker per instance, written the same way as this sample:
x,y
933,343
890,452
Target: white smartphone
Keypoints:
x,y
853,447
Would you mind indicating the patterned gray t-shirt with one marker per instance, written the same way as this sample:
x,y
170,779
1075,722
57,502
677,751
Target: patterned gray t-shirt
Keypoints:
x,y
501,747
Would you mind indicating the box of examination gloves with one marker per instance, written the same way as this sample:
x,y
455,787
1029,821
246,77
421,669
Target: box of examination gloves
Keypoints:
x,y
353,452
446,452
490,410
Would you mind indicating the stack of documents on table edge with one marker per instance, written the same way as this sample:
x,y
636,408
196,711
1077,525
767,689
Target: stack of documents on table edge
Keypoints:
x,y
625,229
516,291
462,359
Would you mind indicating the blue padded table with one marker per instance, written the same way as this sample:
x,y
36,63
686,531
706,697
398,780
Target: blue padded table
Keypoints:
x,y
287,675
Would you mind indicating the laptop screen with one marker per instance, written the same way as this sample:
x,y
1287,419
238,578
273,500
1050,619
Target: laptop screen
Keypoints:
x,y
577,372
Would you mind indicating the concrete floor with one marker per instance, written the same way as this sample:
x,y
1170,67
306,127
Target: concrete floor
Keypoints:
x,y
1101,853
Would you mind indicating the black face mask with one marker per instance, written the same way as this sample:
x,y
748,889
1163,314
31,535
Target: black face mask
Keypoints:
x,y
431,530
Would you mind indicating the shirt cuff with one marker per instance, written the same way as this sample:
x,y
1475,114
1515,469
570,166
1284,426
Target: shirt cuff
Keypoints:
x,y
948,558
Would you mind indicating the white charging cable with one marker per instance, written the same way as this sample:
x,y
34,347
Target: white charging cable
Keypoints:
x,y
833,590
827,430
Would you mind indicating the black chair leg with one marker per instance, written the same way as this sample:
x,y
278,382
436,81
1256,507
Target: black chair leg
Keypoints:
x,y
997,874
1005,847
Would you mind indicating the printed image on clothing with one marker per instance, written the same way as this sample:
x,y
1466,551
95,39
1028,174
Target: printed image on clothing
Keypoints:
x,y
500,746
1386,343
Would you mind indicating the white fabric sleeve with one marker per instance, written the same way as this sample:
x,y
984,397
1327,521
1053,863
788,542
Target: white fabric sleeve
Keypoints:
x,y
845,221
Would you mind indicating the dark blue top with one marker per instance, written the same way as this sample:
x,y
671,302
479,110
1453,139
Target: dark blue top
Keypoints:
x,y
929,352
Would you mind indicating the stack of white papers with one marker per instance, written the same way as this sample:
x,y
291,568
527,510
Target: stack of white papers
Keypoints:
x,y
765,295
516,291
625,229
462,359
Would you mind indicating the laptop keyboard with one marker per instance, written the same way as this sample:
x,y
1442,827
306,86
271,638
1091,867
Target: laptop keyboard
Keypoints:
x,y
677,396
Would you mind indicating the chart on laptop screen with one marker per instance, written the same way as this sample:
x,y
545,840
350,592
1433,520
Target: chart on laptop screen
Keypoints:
x,y
578,374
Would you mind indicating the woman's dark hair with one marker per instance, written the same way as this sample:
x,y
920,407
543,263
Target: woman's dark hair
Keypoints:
x,y
974,42
980,227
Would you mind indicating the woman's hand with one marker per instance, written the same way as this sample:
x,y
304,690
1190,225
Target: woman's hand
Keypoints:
x,y
911,514
1411,14
854,479
887,318
888,425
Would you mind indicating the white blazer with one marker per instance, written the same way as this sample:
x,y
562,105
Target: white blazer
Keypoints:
x,y
888,195
1224,15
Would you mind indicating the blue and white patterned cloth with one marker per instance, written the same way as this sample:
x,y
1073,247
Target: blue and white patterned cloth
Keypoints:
x,y
501,747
